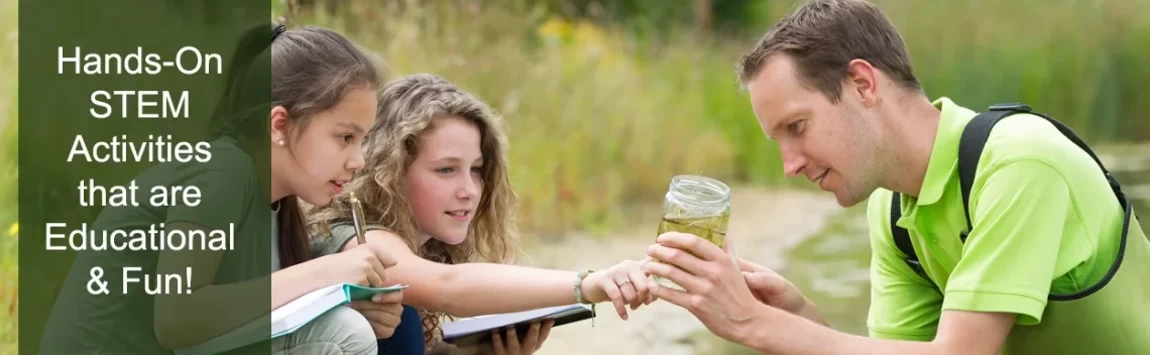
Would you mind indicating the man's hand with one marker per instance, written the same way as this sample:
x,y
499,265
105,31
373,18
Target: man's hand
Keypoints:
x,y
383,311
716,291
774,290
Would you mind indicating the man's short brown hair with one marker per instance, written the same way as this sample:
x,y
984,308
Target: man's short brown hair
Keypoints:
x,y
823,36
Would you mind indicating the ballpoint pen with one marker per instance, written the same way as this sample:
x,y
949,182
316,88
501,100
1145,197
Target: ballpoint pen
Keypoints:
x,y
357,219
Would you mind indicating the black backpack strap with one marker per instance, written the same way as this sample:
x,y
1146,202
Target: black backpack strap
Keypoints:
x,y
970,149
902,238
974,138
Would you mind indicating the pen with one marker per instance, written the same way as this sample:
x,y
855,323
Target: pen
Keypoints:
x,y
357,219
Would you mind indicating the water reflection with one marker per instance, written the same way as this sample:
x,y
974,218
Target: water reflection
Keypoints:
x,y
1136,185
832,269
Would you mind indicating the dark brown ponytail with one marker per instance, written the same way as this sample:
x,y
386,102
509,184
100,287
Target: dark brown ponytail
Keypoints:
x,y
293,236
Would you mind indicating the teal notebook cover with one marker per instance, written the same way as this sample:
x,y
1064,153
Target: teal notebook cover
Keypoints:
x,y
289,317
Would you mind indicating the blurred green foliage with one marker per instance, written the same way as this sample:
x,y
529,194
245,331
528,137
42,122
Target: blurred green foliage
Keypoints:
x,y
657,17
8,184
606,100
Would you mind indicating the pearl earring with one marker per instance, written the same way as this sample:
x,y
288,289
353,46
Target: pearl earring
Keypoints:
x,y
280,141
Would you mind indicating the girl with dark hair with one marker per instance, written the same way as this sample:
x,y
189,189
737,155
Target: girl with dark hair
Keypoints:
x,y
268,153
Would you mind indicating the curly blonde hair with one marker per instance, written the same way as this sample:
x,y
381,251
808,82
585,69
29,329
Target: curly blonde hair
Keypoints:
x,y
408,107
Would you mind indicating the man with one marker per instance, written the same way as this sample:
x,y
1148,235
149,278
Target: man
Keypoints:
x,y
1038,272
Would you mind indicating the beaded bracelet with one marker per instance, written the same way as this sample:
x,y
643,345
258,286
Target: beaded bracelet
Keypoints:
x,y
579,292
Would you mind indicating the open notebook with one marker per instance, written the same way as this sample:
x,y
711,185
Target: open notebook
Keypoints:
x,y
477,330
289,317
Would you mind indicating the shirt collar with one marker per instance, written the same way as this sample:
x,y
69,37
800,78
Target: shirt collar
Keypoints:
x,y
944,155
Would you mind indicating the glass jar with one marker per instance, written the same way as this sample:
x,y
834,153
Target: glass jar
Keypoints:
x,y
697,205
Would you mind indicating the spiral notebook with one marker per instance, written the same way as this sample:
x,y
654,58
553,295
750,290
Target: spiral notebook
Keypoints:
x,y
477,330
289,317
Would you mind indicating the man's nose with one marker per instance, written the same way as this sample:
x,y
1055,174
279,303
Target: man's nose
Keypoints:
x,y
793,161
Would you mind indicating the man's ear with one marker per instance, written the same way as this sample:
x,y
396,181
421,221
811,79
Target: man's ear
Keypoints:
x,y
862,82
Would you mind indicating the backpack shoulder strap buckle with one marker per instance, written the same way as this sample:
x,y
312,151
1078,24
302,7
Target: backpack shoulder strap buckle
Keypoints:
x,y
1016,106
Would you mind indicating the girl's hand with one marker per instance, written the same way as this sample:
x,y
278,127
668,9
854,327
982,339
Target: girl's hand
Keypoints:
x,y
774,290
532,342
361,265
382,311
623,284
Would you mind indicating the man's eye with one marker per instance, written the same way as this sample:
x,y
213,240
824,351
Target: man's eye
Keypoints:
x,y
796,127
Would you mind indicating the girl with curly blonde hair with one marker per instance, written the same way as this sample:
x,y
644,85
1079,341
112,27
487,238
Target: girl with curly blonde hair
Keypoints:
x,y
436,194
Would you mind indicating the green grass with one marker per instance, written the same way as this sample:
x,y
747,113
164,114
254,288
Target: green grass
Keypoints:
x,y
594,123
8,145
1080,61
600,117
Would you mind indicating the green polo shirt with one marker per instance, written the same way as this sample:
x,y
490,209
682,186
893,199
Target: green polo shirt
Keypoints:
x,y
1044,222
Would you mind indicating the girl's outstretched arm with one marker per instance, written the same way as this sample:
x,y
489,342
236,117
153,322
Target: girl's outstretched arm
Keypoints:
x,y
471,289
